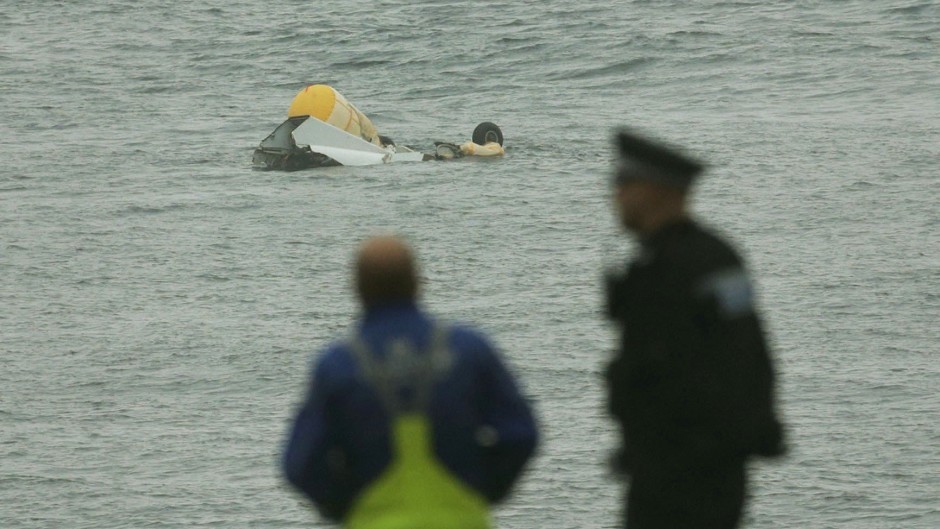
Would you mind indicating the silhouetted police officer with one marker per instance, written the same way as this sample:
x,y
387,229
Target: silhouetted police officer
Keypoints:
x,y
692,384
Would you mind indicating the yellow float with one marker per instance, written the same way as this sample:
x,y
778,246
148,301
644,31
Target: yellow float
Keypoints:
x,y
326,104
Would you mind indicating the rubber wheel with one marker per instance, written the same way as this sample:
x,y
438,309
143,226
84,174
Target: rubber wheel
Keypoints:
x,y
480,133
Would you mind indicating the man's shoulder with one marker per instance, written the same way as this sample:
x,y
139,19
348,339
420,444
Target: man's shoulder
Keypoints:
x,y
335,358
465,335
469,342
703,248
719,274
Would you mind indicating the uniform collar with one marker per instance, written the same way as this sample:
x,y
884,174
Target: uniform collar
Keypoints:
x,y
385,310
657,238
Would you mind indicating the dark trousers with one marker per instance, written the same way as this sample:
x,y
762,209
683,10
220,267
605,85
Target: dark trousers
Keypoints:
x,y
705,497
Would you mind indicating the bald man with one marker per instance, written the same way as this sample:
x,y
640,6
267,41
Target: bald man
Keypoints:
x,y
410,422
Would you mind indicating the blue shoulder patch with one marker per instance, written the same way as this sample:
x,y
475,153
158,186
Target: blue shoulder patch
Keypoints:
x,y
732,290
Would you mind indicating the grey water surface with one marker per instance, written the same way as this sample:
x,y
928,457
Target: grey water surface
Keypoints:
x,y
161,301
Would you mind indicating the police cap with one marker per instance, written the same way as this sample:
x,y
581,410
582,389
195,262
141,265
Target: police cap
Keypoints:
x,y
642,159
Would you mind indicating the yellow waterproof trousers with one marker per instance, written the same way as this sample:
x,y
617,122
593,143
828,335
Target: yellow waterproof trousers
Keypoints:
x,y
416,491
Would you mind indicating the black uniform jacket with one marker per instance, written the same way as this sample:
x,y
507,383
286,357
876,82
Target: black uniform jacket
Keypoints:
x,y
692,383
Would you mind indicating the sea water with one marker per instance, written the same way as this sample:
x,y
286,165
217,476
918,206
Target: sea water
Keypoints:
x,y
161,301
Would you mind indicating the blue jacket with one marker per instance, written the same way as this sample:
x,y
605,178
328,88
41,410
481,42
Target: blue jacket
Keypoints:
x,y
340,441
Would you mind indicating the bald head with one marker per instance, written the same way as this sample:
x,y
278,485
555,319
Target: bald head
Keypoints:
x,y
385,271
